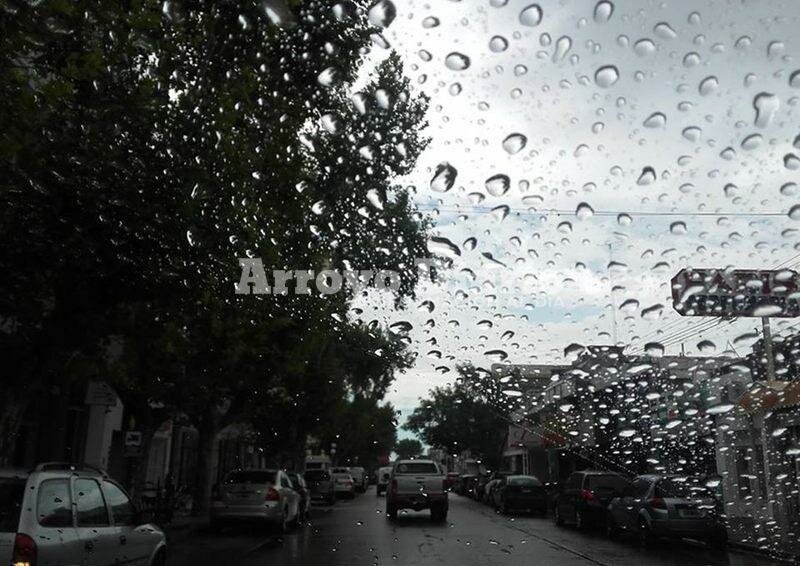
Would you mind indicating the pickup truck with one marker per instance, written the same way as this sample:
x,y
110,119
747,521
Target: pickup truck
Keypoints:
x,y
417,485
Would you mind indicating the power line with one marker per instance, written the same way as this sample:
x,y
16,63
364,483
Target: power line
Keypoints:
x,y
565,212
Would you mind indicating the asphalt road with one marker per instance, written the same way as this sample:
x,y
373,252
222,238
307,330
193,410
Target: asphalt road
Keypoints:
x,y
357,532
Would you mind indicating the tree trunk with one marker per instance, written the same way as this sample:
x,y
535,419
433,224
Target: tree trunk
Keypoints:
x,y
206,463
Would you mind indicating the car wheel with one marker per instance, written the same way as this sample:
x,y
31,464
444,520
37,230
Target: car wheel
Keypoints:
x,y
557,517
645,533
612,530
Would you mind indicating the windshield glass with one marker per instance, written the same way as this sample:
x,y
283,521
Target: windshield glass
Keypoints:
x,y
689,488
524,481
486,238
416,468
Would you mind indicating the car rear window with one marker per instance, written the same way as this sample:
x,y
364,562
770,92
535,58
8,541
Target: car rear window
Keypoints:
x,y
255,476
417,468
682,488
317,475
527,481
11,490
606,483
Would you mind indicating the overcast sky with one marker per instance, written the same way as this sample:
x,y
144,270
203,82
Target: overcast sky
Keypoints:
x,y
667,85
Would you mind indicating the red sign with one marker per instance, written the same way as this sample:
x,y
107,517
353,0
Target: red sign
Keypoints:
x,y
736,292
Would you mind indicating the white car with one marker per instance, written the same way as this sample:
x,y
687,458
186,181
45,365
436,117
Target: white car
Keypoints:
x,y
360,478
343,483
68,514
256,495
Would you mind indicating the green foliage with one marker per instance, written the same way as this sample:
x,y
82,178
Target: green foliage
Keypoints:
x,y
408,448
460,417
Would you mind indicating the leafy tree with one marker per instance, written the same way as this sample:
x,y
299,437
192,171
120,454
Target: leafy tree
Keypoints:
x,y
461,417
408,448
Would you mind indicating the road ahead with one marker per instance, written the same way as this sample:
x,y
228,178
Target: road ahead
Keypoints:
x,y
357,532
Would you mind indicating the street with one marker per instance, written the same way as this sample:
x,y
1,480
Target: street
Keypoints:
x,y
358,532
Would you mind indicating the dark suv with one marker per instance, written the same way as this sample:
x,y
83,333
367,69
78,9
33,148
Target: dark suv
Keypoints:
x,y
585,496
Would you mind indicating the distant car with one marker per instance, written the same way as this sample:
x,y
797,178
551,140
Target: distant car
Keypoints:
x,y
520,493
69,514
494,480
466,484
383,479
584,497
343,483
451,479
299,485
256,495
417,485
666,506
360,478
480,486
320,485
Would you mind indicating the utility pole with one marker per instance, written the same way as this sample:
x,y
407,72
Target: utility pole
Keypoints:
x,y
613,296
768,348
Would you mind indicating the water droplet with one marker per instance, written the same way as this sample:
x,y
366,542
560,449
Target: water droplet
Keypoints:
x,y
644,47
606,76
794,212
456,61
678,228
647,177
498,185
584,211
444,177
498,44
653,312
654,349
691,59
624,219
692,133
603,11
327,77
382,13
706,347
766,105
708,85
791,162
794,79
430,22
514,143
531,15
563,46
655,120
743,42
470,244
496,355
442,246
752,141
664,31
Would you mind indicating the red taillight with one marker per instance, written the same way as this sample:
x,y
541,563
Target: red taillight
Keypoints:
x,y
24,551
588,495
657,503
272,495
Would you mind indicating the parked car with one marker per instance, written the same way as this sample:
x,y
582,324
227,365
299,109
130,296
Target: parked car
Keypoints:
x,y
520,493
320,484
256,495
451,480
359,478
68,514
666,506
300,486
466,484
584,497
494,480
383,479
480,486
343,483
417,485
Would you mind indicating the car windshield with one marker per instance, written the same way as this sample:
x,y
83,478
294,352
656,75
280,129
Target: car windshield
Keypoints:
x,y
547,238
682,488
317,475
612,483
252,477
11,492
523,481
416,468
